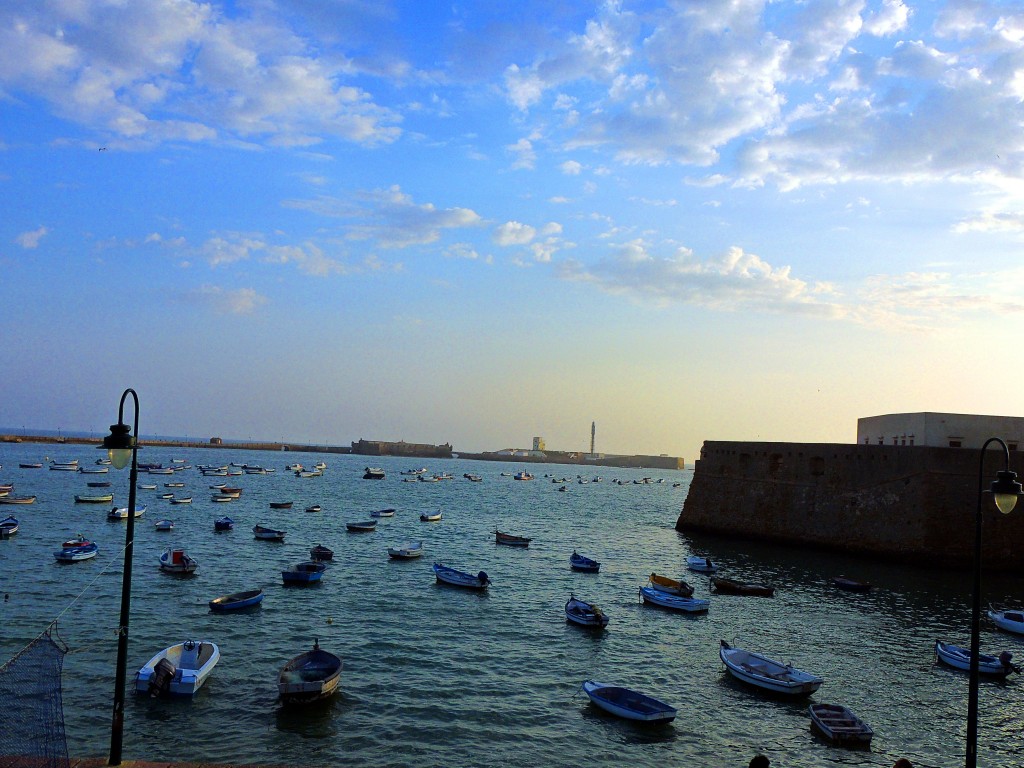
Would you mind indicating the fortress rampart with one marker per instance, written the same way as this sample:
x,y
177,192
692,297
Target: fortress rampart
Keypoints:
x,y
913,503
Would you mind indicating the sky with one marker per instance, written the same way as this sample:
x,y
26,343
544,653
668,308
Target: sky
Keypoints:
x,y
475,223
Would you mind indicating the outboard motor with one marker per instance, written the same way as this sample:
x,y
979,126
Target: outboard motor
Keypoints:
x,y
160,680
482,576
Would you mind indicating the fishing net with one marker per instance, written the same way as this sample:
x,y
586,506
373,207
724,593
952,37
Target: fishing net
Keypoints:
x,y
30,699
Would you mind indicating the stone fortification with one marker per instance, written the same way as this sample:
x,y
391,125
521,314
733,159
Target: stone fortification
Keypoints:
x,y
401,448
913,503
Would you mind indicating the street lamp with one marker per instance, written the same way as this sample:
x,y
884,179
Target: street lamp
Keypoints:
x,y
1005,491
122,446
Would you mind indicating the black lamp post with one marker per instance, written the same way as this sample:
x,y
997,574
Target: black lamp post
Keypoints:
x,y
1004,490
122,446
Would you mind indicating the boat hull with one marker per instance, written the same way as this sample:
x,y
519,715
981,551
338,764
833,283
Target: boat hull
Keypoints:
x,y
629,704
237,601
768,674
192,662
839,725
674,602
960,658
309,677
457,578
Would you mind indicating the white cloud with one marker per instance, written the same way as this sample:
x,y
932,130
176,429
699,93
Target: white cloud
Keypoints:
x,y
240,301
30,240
513,233
891,18
525,156
571,168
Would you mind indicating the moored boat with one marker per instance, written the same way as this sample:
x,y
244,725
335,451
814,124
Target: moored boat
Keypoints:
x,y
383,513
180,669
30,465
74,554
675,602
850,585
267,534
629,704
509,540
522,476
223,524
18,500
236,601
182,500
1010,620
408,551
309,677
670,586
99,484
373,473
759,670
320,552
121,513
78,541
313,508
8,527
305,572
960,658
176,560
430,517
281,505
98,498
585,614
700,564
583,564
164,525
730,587
361,526
838,723
457,578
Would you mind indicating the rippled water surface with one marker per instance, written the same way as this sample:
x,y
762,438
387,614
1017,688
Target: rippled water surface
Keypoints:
x,y
435,675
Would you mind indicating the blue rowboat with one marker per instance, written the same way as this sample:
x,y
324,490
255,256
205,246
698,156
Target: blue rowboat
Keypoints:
x,y
74,554
629,704
583,564
304,573
223,524
458,578
675,602
236,601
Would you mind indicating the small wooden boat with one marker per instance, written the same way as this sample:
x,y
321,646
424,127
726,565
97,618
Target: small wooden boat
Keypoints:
x,y
121,513
850,585
362,526
236,601
1010,620
585,614
174,485
309,677
267,534
165,525
838,723
408,551
522,476
229,491
700,564
305,572
758,670
175,560
960,658
146,486
674,602
18,500
313,508
168,496
30,465
383,513
509,540
458,578
8,527
583,564
430,517
74,554
373,473
729,587
99,498
223,524
94,470
221,498
78,541
281,504
320,552
670,586
180,669
183,500
99,484
629,704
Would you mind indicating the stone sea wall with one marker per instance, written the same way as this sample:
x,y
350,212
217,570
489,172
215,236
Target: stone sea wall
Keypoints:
x,y
913,503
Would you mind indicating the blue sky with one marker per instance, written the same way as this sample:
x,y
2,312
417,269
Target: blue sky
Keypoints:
x,y
479,222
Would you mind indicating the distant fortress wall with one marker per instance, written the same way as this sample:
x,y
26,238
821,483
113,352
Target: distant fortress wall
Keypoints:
x,y
578,458
401,448
913,503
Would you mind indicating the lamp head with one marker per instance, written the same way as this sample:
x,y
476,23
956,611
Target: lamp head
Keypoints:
x,y
119,444
1006,490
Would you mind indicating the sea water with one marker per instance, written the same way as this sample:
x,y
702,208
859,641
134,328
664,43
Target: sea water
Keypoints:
x,y
438,676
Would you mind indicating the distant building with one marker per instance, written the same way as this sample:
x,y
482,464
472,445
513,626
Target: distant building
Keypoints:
x,y
939,430
538,444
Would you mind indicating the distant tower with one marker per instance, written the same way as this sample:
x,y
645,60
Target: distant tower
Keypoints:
x,y
593,431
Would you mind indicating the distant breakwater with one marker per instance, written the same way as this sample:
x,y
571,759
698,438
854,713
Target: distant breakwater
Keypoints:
x,y
913,503
379,448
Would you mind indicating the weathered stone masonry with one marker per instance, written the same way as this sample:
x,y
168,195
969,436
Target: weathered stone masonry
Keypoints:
x,y
914,503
